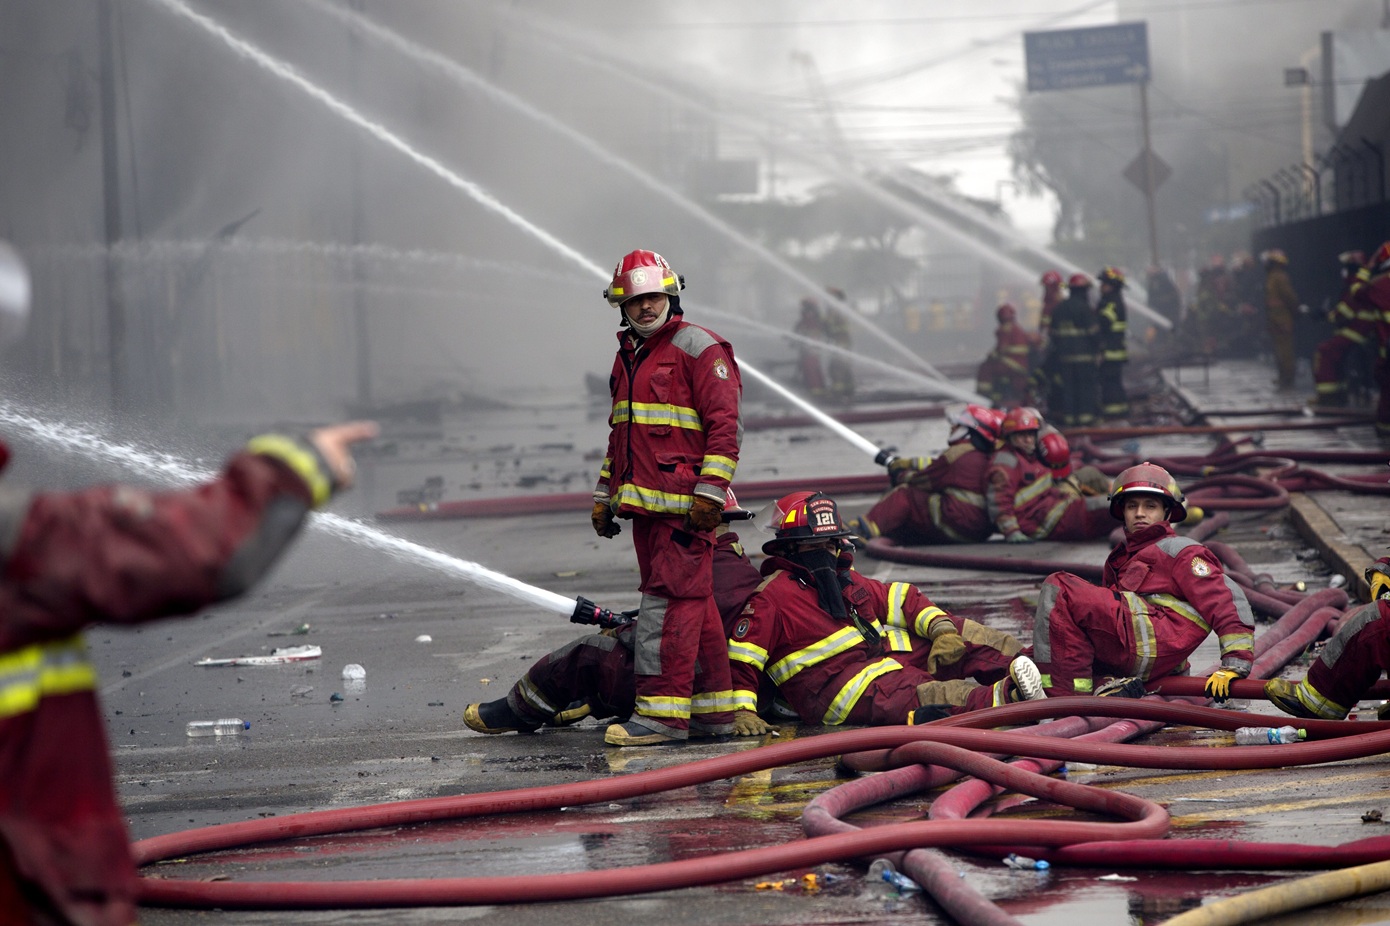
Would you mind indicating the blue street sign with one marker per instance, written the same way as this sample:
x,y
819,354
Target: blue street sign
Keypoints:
x,y
1065,59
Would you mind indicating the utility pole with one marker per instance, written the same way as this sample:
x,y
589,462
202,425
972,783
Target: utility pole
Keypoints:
x,y
111,197
1150,182
361,329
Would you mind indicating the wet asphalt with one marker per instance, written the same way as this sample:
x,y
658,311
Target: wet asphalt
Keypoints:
x,y
431,643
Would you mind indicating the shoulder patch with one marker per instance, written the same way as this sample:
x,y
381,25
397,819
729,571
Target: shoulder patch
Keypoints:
x,y
721,369
1200,567
741,628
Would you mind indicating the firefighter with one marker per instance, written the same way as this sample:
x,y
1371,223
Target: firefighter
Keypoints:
x,y
593,676
1016,482
1376,295
1026,499
1073,354
1281,308
844,648
811,325
940,499
1051,282
1114,354
837,332
1005,375
673,446
1349,664
1355,331
115,554
1160,596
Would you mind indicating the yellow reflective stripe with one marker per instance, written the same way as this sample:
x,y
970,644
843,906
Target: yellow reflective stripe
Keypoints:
x,y
606,470
897,595
939,520
1319,703
745,700
1145,645
846,638
748,654
37,671
653,500
710,702
667,706
1355,337
965,495
299,458
854,689
1049,521
716,466
922,624
1236,642
1079,686
533,697
1031,491
653,414
1182,607
899,640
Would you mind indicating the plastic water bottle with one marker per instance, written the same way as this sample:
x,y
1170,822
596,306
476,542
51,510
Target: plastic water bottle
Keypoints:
x,y
884,870
227,726
1269,736
1023,862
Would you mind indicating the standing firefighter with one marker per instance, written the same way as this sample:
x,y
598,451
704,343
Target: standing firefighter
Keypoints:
x,y
1005,375
122,555
672,449
1114,354
1355,334
1073,354
1281,307
1159,597
1052,296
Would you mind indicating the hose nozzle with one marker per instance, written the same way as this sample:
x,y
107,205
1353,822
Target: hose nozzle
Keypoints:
x,y
886,456
586,612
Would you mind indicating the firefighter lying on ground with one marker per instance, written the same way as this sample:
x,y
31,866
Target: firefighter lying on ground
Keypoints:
x,y
844,648
1350,663
939,499
1159,598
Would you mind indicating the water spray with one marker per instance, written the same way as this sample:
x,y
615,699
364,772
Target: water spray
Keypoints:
x,y
472,190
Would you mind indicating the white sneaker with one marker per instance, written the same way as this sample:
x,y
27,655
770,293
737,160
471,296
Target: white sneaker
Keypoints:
x,y
1027,680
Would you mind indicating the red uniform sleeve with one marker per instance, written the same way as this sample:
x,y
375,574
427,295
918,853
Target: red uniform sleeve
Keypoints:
x,y
125,555
1202,583
750,641
715,383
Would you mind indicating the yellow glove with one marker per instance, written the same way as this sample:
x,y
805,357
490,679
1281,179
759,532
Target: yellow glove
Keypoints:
x,y
947,647
747,723
1219,684
602,519
704,514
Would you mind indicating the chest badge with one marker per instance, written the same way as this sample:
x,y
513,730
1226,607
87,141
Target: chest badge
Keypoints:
x,y
721,369
1200,567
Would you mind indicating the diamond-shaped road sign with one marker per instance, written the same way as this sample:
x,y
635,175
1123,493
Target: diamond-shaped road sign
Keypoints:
x,y
1134,173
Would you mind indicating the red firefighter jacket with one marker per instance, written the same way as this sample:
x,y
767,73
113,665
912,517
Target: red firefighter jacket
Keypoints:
x,y
675,427
955,481
120,555
1355,318
1020,494
1178,583
822,665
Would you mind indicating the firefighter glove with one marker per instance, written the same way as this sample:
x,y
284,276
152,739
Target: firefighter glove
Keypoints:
x,y
603,521
1219,684
704,514
747,723
946,650
1016,537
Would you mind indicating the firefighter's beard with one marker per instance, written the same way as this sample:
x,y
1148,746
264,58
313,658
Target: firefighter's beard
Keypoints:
x,y
824,567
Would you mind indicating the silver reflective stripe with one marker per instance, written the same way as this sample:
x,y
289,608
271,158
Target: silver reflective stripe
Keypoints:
x,y
646,638
1042,635
693,339
1351,626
